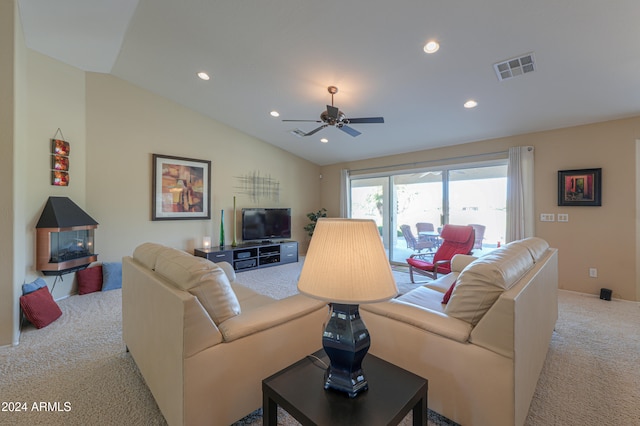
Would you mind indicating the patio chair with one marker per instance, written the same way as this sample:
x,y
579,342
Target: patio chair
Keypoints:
x,y
412,242
456,239
427,232
479,231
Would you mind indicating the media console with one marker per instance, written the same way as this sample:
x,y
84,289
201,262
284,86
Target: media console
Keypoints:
x,y
250,255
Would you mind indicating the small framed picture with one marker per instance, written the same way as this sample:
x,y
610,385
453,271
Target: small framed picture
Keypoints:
x,y
580,187
60,147
59,162
181,188
59,178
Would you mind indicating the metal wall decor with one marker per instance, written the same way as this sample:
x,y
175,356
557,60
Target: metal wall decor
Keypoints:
x,y
259,188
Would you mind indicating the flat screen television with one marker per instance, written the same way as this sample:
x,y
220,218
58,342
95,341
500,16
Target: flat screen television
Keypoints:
x,y
266,223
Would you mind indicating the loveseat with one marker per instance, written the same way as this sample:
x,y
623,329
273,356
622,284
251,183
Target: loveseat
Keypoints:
x,y
483,351
202,341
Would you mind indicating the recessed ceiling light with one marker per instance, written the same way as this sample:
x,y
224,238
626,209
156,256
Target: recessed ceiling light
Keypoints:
x,y
275,113
470,104
203,76
432,46
324,140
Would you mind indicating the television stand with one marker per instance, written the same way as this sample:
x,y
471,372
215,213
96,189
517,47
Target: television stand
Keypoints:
x,y
252,255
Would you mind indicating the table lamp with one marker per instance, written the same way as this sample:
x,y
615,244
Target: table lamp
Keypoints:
x,y
346,265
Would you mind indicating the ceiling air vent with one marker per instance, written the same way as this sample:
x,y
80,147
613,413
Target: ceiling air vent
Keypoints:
x,y
514,67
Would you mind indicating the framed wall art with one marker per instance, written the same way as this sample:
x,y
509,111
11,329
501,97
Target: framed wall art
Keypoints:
x,y
580,187
181,188
60,151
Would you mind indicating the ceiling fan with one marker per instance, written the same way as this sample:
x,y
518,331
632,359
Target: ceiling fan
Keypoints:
x,y
334,117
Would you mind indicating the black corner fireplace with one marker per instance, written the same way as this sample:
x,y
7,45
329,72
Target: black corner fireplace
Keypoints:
x,y
64,238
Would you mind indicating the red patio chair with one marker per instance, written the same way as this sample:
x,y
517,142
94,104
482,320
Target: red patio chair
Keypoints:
x,y
456,239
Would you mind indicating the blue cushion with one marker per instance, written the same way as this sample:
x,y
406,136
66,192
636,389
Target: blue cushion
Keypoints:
x,y
31,287
111,275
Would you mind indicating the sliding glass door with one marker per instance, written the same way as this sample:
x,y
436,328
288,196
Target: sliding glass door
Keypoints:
x,y
411,207
478,196
418,213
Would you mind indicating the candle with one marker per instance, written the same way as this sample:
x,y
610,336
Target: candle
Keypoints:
x,y
206,241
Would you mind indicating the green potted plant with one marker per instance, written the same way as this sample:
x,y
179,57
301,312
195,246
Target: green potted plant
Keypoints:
x,y
313,217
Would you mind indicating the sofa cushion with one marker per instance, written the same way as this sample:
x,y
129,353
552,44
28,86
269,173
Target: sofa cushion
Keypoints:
x,y
537,247
423,297
202,278
147,254
481,283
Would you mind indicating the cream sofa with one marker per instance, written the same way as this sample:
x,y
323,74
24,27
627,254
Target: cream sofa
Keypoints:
x,y
203,342
483,351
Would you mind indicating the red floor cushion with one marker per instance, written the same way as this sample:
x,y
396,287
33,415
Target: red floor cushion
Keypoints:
x,y
40,308
89,280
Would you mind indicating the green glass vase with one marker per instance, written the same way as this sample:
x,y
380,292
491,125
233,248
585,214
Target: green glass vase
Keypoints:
x,y
221,228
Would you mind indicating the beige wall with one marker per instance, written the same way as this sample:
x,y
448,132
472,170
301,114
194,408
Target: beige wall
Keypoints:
x,y
126,125
600,237
114,128
55,99
7,124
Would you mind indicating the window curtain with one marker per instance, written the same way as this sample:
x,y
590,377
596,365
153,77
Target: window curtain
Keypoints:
x,y
345,193
520,196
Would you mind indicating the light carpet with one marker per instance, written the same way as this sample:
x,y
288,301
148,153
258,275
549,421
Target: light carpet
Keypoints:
x,y
590,376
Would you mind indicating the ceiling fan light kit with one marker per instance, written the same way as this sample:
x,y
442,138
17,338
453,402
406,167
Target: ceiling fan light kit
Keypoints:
x,y
332,116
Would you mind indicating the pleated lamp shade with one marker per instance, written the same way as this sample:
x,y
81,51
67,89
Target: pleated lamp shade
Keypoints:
x,y
346,263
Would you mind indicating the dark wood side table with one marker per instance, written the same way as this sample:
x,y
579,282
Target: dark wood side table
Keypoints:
x,y
299,389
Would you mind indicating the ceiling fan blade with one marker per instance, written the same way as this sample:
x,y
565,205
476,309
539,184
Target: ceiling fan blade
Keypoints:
x,y
350,130
316,130
333,112
365,120
309,121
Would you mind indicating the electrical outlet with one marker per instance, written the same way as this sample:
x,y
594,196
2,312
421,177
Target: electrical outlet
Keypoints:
x,y
593,272
563,217
547,217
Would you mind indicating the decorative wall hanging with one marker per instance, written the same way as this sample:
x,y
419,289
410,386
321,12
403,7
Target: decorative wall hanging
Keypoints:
x,y
259,187
580,187
60,150
181,188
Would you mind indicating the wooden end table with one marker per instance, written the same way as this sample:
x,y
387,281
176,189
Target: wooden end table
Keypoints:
x,y
299,389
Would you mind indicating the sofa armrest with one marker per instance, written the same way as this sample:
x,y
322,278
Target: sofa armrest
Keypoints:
x,y
423,318
228,270
270,315
460,261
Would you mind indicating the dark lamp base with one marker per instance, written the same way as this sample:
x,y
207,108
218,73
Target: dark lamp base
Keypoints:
x,y
346,342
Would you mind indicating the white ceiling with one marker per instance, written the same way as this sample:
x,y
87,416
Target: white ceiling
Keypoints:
x,y
282,55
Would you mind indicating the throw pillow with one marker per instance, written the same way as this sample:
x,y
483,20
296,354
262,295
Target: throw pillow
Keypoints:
x,y
40,308
447,295
89,280
202,278
31,287
111,275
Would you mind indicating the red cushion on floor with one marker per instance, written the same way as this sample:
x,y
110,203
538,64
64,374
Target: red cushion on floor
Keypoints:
x,y
40,308
89,280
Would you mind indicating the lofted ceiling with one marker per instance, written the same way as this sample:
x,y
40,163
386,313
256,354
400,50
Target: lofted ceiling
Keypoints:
x,y
282,54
